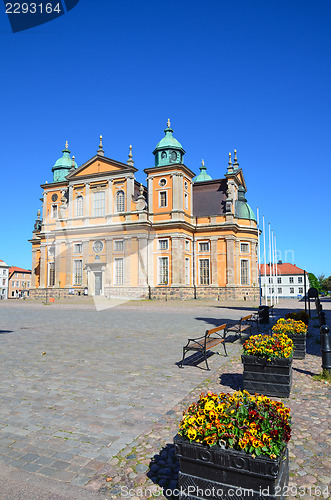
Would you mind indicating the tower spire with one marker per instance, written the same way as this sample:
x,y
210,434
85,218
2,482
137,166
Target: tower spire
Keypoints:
x,y
230,166
235,163
100,150
130,158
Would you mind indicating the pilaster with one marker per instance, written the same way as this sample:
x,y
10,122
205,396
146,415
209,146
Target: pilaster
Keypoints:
x,y
213,261
142,261
230,264
68,264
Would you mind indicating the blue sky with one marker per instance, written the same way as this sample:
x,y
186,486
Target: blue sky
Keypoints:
x,y
254,76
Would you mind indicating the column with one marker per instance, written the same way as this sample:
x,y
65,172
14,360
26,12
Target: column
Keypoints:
x,y
237,262
127,262
110,209
254,271
57,260
70,201
69,279
230,252
142,260
44,208
150,194
109,252
213,261
43,266
87,200
33,268
129,192
85,261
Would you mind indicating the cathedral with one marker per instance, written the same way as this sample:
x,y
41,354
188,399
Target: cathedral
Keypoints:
x,y
100,232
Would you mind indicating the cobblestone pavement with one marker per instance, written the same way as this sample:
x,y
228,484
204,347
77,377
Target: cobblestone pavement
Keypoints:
x,y
107,396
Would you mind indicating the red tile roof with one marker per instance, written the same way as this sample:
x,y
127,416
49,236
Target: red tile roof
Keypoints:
x,y
14,269
283,269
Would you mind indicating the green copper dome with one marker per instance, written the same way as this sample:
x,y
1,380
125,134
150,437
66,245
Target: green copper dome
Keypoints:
x,y
203,176
242,209
168,150
63,165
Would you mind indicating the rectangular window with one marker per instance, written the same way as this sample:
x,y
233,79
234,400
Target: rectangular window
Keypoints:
x,y
51,274
163,244
300,289
244,272
244,247
204,271
16,275
291,280
299,279
4,282
186,201
279,280
187,271
54,211
78,272
5,272
280,290
187,245
118,245
163,199
163,271
291,290
270,280
23,275
78,247
28,284
79,212
204,246
99,203
119,269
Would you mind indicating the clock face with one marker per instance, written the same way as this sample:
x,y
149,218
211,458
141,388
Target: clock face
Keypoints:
x,y
174,156
54,197
97,246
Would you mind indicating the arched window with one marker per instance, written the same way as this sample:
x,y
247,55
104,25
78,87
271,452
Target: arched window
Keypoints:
x,y
79,206
120,201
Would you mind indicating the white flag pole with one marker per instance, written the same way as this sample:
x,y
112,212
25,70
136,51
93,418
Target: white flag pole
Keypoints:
x,y
258,253
270,275
265,267
276,266
273,267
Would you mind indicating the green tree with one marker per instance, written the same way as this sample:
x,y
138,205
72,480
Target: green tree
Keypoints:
x,y
326,284
313,282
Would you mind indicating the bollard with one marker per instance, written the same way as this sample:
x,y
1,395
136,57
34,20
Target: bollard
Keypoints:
x,y
326,348
321,318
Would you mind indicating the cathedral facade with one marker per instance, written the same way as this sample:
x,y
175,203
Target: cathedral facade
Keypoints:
x,y
180,236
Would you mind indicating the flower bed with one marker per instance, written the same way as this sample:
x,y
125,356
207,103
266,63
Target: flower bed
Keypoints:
x,y
277,345
296,331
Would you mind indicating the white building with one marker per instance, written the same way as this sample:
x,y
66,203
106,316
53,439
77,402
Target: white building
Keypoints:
x,y
289,282
4,274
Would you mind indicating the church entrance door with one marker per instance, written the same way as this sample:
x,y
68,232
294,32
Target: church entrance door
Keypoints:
x,y
98,283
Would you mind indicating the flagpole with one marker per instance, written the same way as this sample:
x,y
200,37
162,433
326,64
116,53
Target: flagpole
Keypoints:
x,y
277,298
265,266
270,274
273,267
258,253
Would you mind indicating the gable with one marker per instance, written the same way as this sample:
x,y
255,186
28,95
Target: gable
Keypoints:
x,y
99,166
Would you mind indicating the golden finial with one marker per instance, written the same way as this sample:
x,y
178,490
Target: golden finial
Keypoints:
x,y
67,145
168,123
130,153
100,145
141,189
130,160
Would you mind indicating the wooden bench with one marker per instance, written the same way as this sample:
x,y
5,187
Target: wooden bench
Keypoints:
x,y
207,341
244,324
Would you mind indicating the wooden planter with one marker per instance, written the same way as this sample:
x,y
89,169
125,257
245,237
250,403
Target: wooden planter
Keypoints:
x,y
271,378
215,473
299,345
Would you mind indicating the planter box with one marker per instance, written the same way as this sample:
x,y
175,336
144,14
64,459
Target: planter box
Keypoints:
x,y
213,473
299,344
271,378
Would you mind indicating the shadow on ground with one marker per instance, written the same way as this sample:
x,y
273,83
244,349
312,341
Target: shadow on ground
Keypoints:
x,y
232,380
163,470
5,331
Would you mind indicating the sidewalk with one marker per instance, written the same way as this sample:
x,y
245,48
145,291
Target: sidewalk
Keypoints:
x,y
148,464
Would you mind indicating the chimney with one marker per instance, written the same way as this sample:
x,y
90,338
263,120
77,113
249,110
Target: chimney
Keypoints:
x,y
280,262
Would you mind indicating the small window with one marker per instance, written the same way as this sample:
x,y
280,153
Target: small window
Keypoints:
x,y
291,290
187,271
280,290
120,201
5,272
79,206
119,272
300,289
164,244
78,247
185,184
118,245
163,270
270,280
187,245
291,280
279,280
162,182
54,211
299,279
78,272
163,199
204,246
204,271
186,201
244,247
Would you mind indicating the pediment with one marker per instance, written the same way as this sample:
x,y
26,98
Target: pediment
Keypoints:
x,y
100,165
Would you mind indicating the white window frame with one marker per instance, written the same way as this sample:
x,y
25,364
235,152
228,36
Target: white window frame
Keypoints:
x,y
279,280
51,267
118,276
99,203
204,259
79,206
78,248
292,289
54,211
204,243
300,279
163,259
185,201
280,290
291,280
248,272
187,245
120,201
241,247
159,245
160,199
300,289
187,271
76,274
116,244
